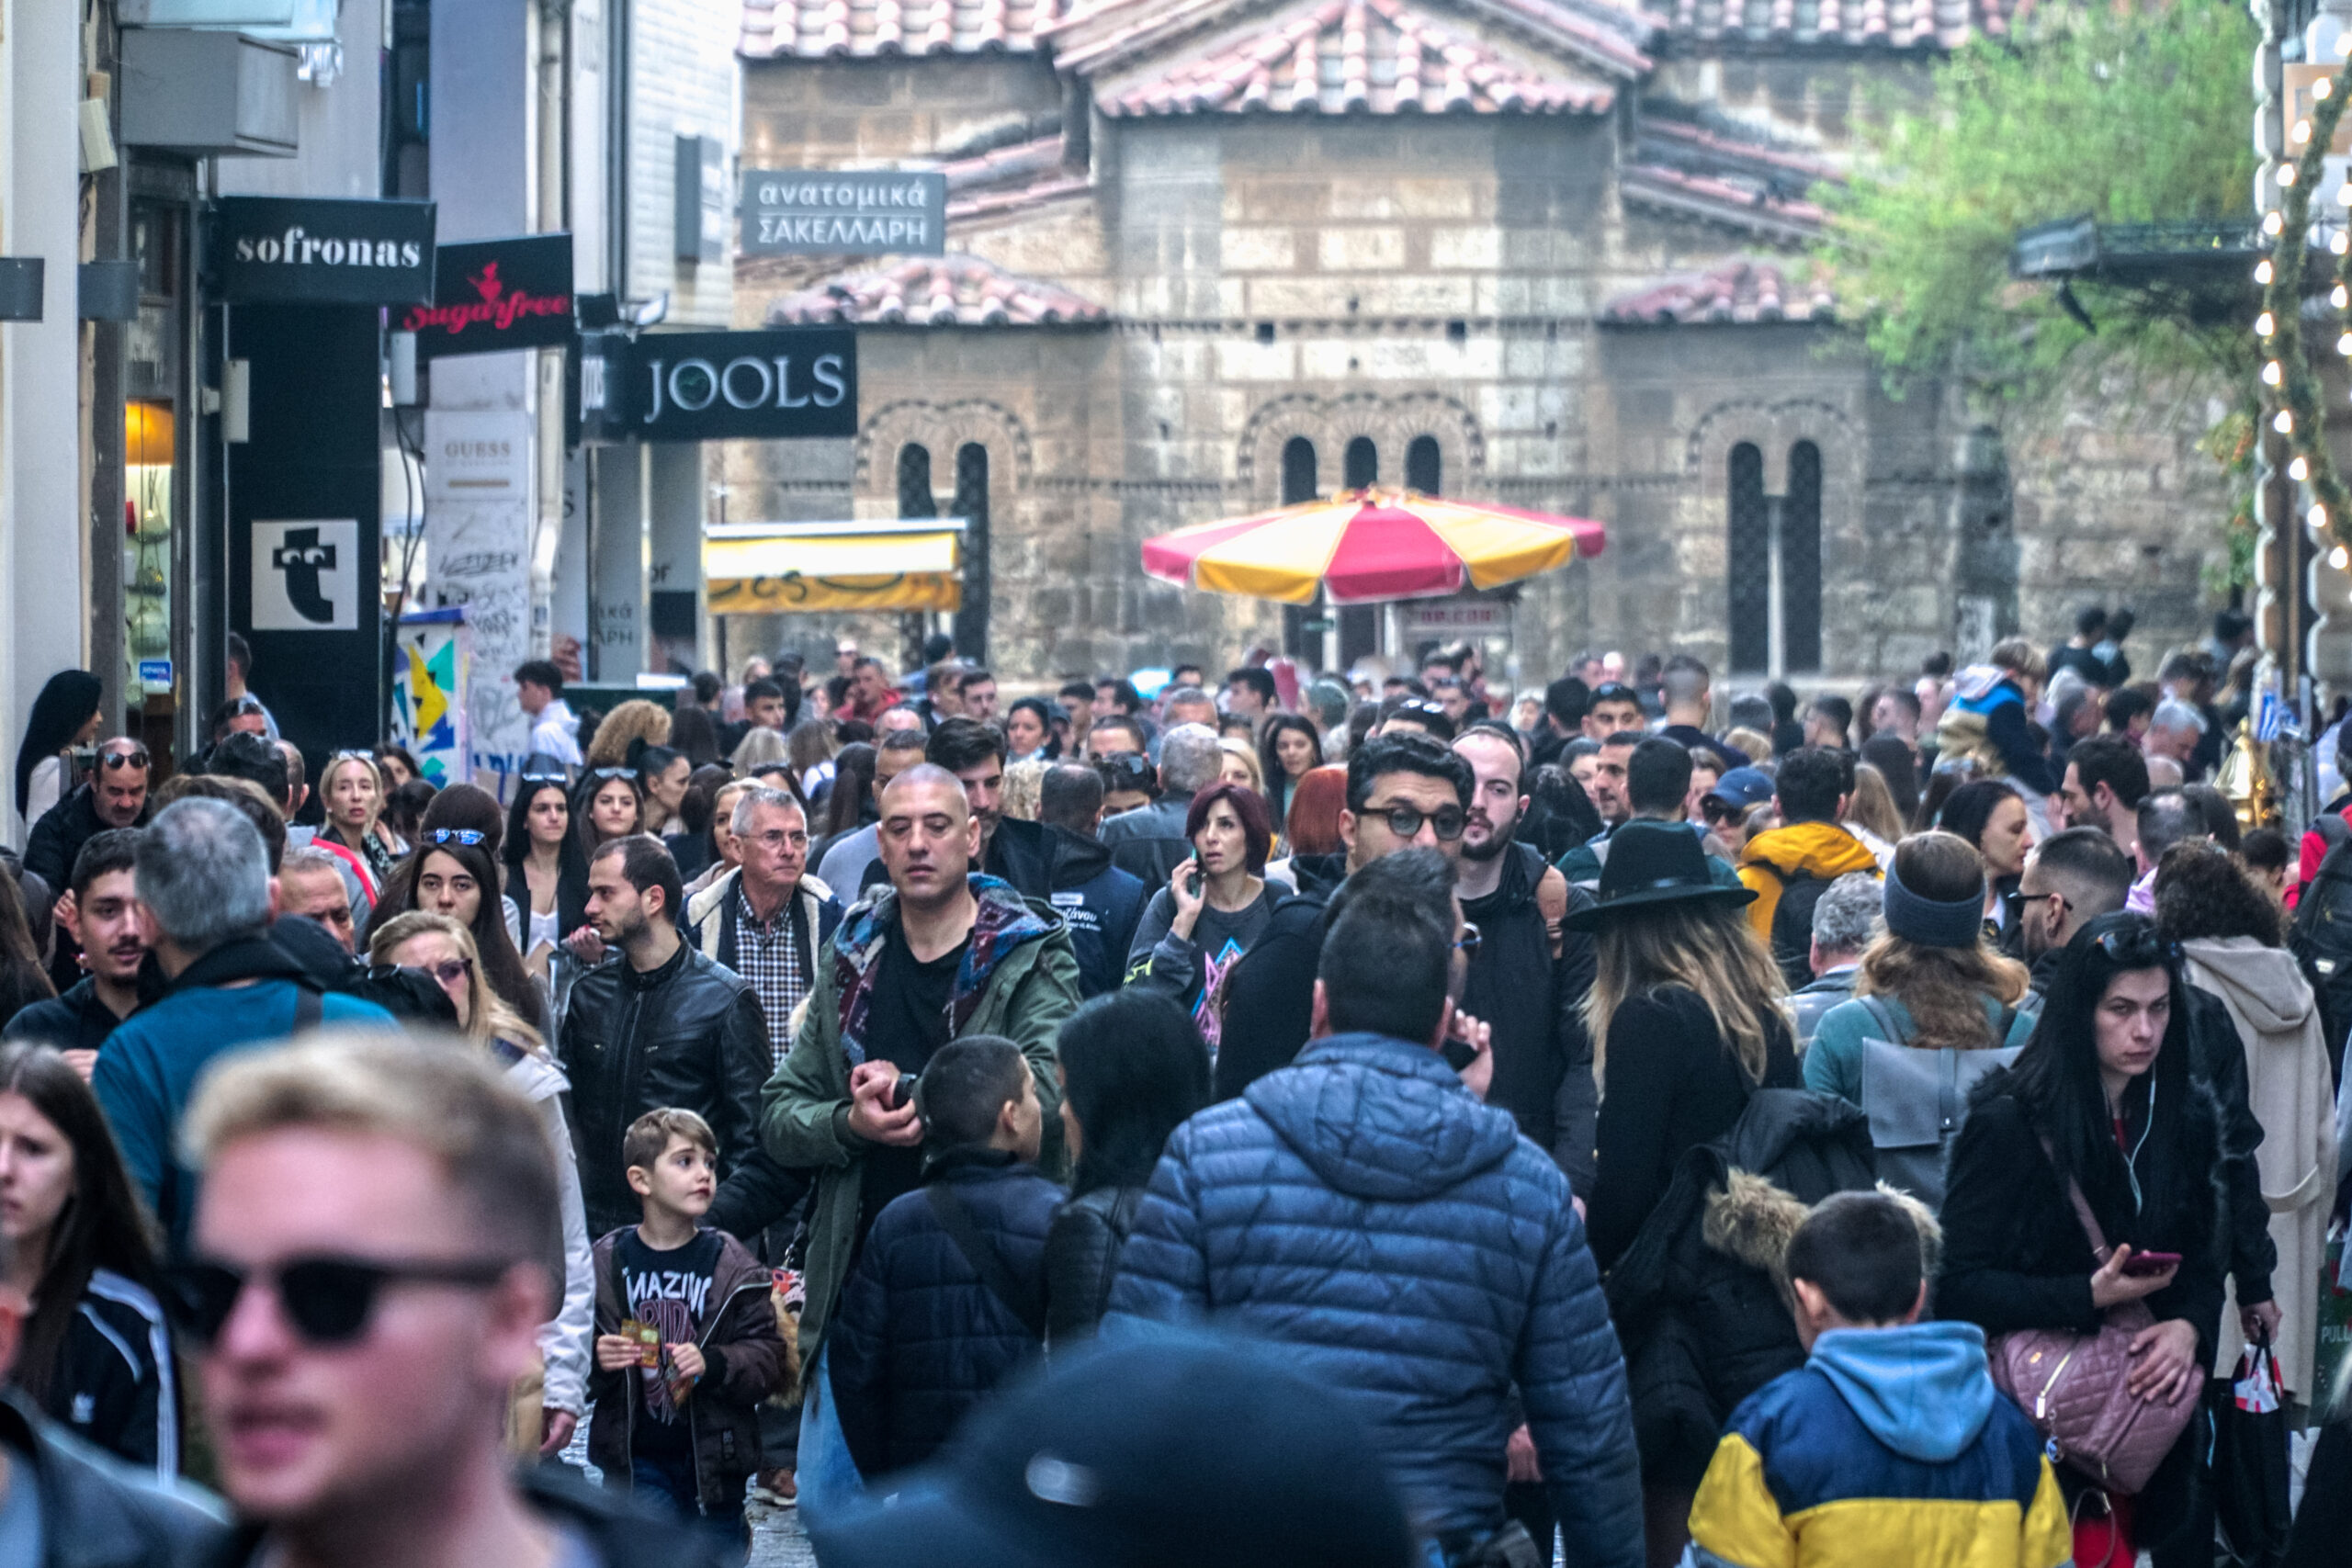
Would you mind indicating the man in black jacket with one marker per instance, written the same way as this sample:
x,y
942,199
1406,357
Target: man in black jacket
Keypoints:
x,y
1530,1000
99,913
1150,843
664,1026
1099,903
1404,791
116,797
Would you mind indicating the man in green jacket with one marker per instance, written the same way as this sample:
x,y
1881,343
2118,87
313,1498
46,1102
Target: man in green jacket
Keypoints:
x,y
938,953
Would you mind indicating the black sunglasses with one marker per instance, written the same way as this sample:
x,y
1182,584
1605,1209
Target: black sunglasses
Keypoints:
x,y
2136,948
1446,821
328,1300
469,837
110,761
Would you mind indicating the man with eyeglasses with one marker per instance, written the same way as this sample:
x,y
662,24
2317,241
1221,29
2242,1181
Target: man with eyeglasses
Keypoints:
x,y
206,899
1404,792
115,797
768,918
369,1273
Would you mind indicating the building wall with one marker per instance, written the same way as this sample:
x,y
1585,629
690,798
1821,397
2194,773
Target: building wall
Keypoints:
x,y
682,79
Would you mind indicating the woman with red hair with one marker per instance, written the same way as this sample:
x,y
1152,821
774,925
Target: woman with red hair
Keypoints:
x,y
1214,906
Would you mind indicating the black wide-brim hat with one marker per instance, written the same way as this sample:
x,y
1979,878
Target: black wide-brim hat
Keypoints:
x,y
1650,864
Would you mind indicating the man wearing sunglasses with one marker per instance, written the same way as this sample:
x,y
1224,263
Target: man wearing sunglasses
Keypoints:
x,y
1404,791
367,1282
115,797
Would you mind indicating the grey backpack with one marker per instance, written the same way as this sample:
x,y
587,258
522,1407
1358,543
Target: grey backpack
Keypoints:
x,y
1916,1100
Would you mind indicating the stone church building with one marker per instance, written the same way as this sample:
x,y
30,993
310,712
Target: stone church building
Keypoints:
x,y
1208,256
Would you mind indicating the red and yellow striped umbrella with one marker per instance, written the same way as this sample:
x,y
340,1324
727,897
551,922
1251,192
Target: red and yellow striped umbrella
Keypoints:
x,y
1362,546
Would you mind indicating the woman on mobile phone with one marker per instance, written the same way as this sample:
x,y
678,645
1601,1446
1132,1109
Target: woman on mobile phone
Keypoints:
x,y
2102,1098
1215,904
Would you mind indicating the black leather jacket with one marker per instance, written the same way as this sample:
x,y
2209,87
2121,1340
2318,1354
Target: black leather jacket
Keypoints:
x,y
1083,1250
99,1514
688,1035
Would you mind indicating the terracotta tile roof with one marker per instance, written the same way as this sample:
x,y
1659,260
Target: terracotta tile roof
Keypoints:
x,y
1899,24
1679,143
1094,35
936,291
1355,56
812,29
1740,291
1752,205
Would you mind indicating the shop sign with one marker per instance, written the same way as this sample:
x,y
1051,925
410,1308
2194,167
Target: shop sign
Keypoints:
x,y
1440,617
496,294
285,250
802,212
306,576
760,386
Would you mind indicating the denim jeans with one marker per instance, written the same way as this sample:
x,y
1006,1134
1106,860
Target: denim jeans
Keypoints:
x,y
826,1474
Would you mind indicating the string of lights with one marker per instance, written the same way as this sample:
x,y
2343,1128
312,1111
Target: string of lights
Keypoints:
x,y
2287,372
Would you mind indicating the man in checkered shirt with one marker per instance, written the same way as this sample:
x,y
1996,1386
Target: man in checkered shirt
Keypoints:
x,y
769,921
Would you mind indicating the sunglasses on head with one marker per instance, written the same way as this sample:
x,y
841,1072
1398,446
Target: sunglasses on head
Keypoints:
x,y
2138,948
466,836
110,761
612,773
328,1300
545,778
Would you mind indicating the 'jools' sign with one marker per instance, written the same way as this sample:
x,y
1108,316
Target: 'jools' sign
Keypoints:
x,y
727,386
277,250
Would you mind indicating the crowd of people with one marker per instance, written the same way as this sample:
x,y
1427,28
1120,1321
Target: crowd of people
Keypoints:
x,y
1283,1119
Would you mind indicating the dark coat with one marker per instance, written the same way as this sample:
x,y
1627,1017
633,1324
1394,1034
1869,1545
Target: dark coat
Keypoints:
x,y
1407,1247
1270,991
61,831
1542,1072
96,1512
76,1020
743,1355
1148,843
918,1339
689,1034
1703,1323
114,1384
1099,904
1083,1250
2217,1056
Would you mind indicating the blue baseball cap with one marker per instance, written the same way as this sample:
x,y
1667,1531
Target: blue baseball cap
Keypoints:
x,y
1743,787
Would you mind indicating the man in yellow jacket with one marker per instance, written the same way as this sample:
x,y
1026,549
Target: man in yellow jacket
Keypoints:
x,y
1890,1445
1799,859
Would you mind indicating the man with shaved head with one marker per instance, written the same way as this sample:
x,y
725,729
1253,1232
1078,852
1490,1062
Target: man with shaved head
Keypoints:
x,y
938,953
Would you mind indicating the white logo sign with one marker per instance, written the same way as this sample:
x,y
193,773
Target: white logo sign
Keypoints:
x,y
306,576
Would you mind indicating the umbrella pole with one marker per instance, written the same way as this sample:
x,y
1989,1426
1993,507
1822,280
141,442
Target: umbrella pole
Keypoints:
x,y
1330,616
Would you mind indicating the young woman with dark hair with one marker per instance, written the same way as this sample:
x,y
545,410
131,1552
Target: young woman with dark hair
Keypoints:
x,y
2102,1100
96,1351
664,774
1215,907
546,870
1287,751
688,840
1029,731
459,879
608,803
1131,1070
65,715
397,764
1991,815
849,804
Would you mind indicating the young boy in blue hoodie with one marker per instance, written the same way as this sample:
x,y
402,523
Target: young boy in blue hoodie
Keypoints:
x,y
1890,1445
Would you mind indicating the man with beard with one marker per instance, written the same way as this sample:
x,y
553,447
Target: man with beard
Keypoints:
x,y
664,1027
1651,783
100,912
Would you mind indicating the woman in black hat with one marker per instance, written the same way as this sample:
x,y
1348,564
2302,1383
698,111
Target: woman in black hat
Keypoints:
x,y
1686,1015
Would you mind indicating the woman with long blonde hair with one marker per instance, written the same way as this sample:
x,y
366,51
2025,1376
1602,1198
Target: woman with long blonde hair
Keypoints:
x,y
1686,1018
442,948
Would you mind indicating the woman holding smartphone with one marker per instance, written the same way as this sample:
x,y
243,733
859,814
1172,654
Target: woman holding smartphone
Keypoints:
x,y
1214,906
2101,1100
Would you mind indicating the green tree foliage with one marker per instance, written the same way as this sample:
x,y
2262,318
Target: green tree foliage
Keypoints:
x,y
2131,114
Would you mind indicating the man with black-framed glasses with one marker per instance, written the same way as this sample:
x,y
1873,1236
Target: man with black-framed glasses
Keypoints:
x,y
368,1275
1405,790
2070,879
114,797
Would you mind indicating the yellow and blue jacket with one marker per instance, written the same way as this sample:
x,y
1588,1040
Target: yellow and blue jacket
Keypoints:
x,y
1888,1445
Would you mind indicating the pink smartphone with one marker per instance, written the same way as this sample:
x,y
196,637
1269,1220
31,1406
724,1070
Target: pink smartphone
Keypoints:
x,y
2141,1264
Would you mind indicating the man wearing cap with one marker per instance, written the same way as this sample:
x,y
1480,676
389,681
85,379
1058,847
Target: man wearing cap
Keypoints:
x,y
1404,1243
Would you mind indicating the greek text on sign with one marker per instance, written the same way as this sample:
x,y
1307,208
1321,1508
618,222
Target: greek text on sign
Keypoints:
x,y
810,212
1459,615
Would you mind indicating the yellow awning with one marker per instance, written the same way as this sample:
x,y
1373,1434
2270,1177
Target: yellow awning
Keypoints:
x,y
765,568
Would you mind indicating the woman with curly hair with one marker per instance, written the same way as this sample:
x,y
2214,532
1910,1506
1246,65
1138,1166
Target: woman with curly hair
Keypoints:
x,y
634,719
2229,931
1928,984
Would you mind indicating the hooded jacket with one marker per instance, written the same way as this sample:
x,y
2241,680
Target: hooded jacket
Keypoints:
x,y
1017,979
1890,1445
2291,1090
688,1033
920,1339
1987,718
1099,903
1408,1246
744,1356
1775,858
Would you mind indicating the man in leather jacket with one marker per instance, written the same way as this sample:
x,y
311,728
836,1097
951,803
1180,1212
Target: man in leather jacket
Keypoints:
x,y
663,1025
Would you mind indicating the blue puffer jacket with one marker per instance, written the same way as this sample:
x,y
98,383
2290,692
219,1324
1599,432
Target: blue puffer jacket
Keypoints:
x,y
918,1340
1418,1252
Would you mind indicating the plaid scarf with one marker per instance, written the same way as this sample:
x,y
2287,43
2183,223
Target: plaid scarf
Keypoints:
x,y
1003,923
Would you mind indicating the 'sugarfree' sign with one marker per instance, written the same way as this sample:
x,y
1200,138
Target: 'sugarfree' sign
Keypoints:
x,y
798,213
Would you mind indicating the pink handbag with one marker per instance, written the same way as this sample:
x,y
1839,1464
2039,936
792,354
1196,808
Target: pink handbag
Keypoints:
x,y
2072,1387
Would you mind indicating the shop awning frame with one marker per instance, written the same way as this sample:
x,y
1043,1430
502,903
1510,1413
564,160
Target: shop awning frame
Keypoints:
x,y
913,563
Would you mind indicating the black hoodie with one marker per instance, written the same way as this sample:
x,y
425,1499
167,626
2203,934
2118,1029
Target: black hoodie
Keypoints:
x,y
1542,1072
1270,991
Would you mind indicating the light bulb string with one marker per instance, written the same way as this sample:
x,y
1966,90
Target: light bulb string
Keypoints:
x,y
2300,393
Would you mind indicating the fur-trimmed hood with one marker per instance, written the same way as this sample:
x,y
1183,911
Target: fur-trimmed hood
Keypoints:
x,y
1752,1220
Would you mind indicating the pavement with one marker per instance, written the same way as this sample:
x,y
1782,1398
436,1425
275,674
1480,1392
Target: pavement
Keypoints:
x,y
776,1538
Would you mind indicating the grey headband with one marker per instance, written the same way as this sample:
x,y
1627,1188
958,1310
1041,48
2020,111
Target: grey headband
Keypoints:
x,y
1932,924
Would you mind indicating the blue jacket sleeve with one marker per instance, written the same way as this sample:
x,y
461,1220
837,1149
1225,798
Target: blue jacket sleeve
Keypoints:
x,y
2005,726
1163,1272
1571,1376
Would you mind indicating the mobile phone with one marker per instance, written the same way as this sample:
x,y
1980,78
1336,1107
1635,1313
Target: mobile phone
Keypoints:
x,y
2140,1265
1192,874
1458,1052
902,1092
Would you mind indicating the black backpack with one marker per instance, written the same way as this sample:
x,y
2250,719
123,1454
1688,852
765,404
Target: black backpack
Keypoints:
x,y
1792,924
2321,938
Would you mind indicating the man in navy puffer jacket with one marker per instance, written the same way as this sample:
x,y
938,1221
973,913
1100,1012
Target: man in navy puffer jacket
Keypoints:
x,y
1404,1241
